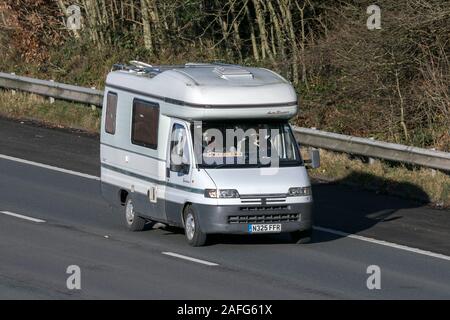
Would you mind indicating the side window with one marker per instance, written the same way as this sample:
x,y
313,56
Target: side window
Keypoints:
x,y
144,127
111,110
179,147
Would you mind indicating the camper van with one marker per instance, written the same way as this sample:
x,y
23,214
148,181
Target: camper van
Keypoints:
x,y
204,147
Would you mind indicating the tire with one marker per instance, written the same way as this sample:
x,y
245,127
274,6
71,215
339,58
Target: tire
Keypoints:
x,y
194,235
132,220
301,237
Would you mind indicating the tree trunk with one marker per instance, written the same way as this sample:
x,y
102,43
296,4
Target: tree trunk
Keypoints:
x,y
262,30
91,19
303,42
62,7
236,36
156,22
278,32
402,109
146,30
286,10
252,33
133,15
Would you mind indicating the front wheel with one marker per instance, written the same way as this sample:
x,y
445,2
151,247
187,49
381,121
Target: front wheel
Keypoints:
x,y
194,234
301,237
132,220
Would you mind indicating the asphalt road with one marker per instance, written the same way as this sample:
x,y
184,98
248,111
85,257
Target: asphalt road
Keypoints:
x,y
79,228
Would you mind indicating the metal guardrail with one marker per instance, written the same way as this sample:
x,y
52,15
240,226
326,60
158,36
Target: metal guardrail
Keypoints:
x,y
372,148
309,137
51,89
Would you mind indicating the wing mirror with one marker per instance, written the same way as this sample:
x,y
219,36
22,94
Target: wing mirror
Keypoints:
x,y
182,168
314,159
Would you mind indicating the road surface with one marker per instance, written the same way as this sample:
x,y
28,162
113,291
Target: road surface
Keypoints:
x,y
51,219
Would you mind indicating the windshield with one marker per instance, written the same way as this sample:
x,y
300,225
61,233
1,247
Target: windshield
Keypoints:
x,y
219,144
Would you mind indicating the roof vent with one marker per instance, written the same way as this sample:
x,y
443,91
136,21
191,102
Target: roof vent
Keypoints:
x,y
232,73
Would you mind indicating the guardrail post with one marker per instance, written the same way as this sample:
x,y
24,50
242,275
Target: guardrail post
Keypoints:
x,y
52,100
371,160
433,171
93,106
13,92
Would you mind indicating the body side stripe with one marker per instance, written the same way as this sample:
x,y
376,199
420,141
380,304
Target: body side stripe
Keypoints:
x,y
130,151
152,180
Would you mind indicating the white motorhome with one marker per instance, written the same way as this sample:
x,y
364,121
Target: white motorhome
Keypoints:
x,y
205,147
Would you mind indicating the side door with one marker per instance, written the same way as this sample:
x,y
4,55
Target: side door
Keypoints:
x,y
178,171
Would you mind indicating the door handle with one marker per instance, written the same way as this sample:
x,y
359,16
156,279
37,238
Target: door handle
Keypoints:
x,y
167,172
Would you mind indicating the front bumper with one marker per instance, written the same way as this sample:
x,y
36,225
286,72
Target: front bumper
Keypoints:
x,y
236,218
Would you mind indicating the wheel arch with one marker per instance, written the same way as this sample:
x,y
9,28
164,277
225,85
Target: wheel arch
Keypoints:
x,y
123,195
185,206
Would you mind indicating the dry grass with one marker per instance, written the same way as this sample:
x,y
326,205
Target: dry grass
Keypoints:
x,y
415,183
60,114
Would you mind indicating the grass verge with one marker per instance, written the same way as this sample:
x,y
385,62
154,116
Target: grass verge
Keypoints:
x,y
422,184
59,114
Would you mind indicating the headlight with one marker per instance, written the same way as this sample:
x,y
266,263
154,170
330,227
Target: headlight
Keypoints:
x,y
299,191
221,193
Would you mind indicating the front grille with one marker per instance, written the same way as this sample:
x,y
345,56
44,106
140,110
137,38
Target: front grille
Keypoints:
x,y
263,198
264,218
263,195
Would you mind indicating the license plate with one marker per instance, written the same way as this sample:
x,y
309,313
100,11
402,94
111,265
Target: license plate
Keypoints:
x,y
264,228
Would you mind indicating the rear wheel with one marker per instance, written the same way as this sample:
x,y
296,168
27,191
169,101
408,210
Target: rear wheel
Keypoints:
x,y
301,237
132,220
194,234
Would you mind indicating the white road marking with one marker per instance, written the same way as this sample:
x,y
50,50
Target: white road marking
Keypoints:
x,y
12,214
176,255
336,232
383,243
45,166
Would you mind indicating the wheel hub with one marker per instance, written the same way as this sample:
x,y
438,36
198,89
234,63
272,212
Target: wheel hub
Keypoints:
x,y
129,212
190,226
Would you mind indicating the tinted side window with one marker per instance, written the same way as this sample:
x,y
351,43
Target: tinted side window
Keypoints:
x,y
111,110
144,129
179,148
